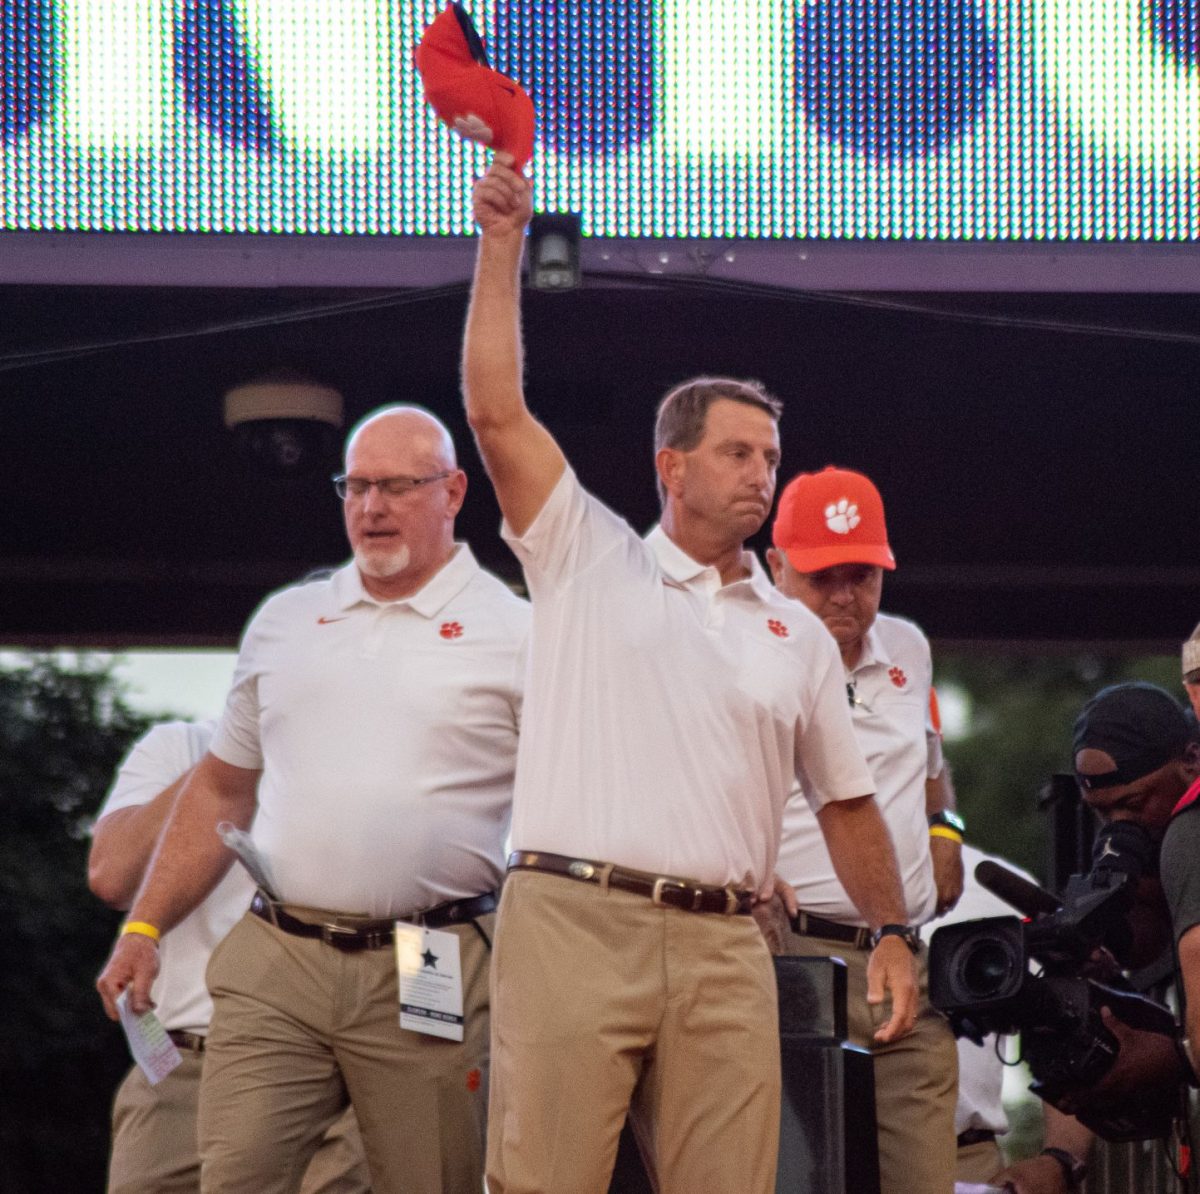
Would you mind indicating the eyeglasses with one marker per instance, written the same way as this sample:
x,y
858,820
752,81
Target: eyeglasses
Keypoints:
x,y
359,487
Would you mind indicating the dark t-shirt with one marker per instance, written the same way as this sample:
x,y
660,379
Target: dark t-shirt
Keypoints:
x,y
1180,870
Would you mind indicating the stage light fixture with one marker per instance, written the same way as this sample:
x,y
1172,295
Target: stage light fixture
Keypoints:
x,y
554,251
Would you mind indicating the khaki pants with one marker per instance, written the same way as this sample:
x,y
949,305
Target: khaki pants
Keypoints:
x,y
979,1162
154,1132
604,1003
154,1149
916,1077
298,1028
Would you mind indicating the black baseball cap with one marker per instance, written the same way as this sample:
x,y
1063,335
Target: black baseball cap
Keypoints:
x,y
1141,726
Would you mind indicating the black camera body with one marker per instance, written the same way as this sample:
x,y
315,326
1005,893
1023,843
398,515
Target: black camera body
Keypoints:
x,y
980,976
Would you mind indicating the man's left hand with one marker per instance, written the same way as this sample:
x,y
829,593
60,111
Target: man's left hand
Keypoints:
x,y
947,872
1144,1060
774,908
893,968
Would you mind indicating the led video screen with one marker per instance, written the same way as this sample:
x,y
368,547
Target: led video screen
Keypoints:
x,y
902,120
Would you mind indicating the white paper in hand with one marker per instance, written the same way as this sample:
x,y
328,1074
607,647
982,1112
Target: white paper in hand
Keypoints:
x,y
152,1049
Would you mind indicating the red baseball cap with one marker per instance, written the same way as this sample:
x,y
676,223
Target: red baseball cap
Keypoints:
x,y
474,100
829,518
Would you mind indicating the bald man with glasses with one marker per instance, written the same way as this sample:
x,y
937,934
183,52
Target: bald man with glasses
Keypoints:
x,y
376,714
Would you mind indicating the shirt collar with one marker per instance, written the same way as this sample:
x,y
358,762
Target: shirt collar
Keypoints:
x,y
428,601
873,651
680,567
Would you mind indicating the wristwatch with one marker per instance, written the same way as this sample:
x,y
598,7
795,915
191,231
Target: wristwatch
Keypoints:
x,y
906,933
1074,1170
948,819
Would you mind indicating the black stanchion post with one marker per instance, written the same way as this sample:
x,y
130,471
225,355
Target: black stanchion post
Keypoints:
x,y
827,1140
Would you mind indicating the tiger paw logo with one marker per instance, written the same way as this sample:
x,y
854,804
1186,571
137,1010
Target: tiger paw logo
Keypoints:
x,y
474,1080
777,628
897,677
451,630
841,517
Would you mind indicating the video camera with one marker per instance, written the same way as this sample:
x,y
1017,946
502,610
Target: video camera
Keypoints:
x,y
980,977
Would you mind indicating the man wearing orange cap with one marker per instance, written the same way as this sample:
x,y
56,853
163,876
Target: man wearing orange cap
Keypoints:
x,y
831,550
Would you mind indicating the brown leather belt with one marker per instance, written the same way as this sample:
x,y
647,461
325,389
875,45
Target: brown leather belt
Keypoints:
x,y
663,890
806,925
192,1041
370,934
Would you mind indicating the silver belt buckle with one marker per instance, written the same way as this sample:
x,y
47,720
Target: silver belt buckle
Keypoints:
x,y
331,931
660,885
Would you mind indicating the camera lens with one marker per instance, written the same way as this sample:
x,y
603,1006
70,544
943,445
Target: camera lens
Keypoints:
x,y
986,969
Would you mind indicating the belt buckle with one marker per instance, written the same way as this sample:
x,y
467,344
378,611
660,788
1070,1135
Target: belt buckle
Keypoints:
x,y
731,902
337,935
661,884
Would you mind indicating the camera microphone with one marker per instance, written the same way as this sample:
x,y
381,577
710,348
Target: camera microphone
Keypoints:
x,y
1027,898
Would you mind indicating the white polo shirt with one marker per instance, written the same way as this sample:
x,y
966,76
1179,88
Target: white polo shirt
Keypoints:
x,y
668,715
893,726
387,736
156,761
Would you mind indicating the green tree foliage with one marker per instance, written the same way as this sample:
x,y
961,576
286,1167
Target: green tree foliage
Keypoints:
x,y
63,730
1021,712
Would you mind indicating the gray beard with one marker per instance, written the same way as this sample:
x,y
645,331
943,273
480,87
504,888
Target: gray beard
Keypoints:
x,y
380,567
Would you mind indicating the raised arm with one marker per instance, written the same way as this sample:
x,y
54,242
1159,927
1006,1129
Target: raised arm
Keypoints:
x,y
861,850
522,458
189,862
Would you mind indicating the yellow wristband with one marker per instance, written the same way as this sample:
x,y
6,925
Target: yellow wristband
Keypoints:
x,y
946,832
141,927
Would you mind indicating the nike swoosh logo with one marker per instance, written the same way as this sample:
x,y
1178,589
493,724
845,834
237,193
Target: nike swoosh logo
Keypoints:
x,y
326,621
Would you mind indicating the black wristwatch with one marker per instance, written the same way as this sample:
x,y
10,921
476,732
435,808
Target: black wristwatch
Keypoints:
x,y
906,933
948,819
1074,1170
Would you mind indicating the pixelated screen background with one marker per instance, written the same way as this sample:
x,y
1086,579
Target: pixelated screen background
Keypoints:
x,y
952,120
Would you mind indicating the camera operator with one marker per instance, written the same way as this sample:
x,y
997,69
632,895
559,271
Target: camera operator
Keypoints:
x,y
1136,765
1191,672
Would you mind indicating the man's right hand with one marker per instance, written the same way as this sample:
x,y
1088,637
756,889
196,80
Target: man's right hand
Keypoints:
x,y
502,201
133,964
1035,1175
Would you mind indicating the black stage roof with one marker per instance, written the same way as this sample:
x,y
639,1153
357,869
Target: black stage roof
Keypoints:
x,y
1038,472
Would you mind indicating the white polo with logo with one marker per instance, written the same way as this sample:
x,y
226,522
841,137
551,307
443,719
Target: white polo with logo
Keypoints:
x,y
154,763
387,735
668,715
892,722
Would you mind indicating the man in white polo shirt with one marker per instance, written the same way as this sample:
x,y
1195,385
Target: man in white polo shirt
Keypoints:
x,y
154,1147
673,698
380,710
831,550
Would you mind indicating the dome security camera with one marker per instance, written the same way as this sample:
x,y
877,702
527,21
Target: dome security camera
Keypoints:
x,y
288,428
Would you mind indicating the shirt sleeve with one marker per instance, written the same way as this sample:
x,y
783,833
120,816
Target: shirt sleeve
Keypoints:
x,y
155,762
236,740
1180,869
571,533
935,758
829,762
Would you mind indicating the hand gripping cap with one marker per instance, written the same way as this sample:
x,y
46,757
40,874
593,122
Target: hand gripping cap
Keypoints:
x,y
472,98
